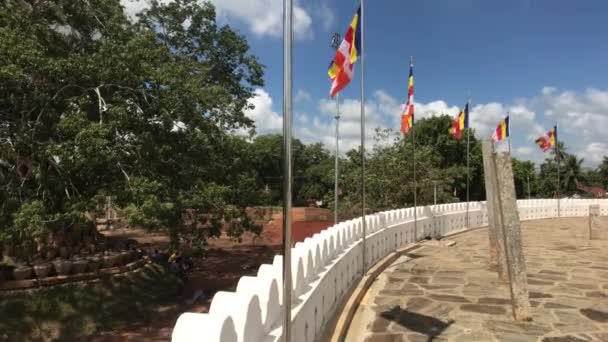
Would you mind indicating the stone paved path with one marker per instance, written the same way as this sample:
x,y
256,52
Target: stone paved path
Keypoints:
x,y
440,293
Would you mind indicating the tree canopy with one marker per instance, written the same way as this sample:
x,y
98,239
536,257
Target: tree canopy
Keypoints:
x,y
94,105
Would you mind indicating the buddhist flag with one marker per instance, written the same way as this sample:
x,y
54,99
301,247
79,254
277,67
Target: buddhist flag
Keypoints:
x,y
502,130
547,140
460,123
342,67
407,117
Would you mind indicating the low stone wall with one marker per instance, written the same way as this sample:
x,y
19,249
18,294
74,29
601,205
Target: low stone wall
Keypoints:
x,y
327,265
62,279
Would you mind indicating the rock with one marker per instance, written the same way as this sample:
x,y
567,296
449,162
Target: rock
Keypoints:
x,y
380,324
516,338
601,336
437,287
517,327
22,272
532,281
419,280
540,295
583,286
424,338
94,263
418,303
446,280
449,298
567,338
494,301
552,272
477,336
557,306
62,267
572,322
596,315
596,294
385,337
484,309
43,270
449,243
79,266
387,301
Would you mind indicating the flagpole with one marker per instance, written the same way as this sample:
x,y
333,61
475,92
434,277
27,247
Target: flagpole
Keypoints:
x,y
336,44
363,223
337,160
468,154
414,169
287,167
557,157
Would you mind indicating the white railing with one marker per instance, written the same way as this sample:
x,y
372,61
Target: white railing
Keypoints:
x,y
326,266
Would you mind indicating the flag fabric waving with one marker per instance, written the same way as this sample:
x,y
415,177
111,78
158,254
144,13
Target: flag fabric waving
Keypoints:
x,y
460,123
407,117
342,67
502,130
547,140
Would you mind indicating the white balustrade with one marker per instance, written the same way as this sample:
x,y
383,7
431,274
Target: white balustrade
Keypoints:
x,y
328,264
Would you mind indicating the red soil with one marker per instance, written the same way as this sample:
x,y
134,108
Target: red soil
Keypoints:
x,y
221,266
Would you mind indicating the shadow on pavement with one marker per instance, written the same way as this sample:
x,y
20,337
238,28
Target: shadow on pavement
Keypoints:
x,y
415,322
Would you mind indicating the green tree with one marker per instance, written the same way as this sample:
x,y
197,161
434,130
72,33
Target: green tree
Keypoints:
x,y
603,171
524,174
571,173
95,105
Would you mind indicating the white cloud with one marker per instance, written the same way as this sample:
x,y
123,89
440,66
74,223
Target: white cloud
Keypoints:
x,y
548,90
524,150
265,17
326,16
594,153
350,123
266,120
262,17
302,96
582,116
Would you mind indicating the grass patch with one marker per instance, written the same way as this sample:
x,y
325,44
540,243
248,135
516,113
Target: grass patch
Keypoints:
x,y
71,311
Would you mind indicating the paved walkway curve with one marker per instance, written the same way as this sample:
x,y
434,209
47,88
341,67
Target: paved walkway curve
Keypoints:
x,y
440,293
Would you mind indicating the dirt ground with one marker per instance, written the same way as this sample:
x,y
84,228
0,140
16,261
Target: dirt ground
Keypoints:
x,y
220,268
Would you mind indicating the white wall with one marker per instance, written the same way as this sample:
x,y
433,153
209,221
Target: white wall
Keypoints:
x,y
327,265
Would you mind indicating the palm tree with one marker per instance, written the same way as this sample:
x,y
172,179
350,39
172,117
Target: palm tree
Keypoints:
x,y
571,172
603,170
561,147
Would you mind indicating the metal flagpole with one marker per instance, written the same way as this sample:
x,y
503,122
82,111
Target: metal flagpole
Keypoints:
x,y
287,167
414,167
337,176
558,159
335,43
363,223
468,155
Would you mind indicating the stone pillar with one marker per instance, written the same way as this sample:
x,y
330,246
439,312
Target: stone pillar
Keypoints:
x,y
516,265
594,213
497,250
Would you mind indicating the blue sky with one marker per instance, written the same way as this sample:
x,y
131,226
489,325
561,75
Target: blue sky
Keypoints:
x,y
544,61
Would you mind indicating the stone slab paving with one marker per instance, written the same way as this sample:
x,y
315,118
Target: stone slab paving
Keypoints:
x,y
440,293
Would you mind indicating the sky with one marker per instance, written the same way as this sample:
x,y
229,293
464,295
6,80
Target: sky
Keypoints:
x,y
543,61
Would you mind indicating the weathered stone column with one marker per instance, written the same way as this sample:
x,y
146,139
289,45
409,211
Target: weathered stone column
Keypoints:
x,y
497,250
516,265
594,213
